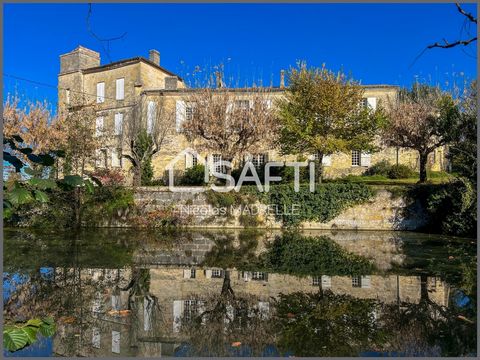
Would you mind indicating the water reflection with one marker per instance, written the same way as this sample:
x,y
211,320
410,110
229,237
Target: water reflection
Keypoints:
x,y
123,293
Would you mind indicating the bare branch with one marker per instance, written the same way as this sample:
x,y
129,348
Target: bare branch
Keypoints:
x,y
105,42
468,15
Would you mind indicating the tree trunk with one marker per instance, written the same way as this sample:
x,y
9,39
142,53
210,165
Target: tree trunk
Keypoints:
x,y
137,176
423,166
77,207
319,167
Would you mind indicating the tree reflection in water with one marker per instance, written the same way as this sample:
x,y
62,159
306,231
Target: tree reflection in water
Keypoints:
x,y
211,294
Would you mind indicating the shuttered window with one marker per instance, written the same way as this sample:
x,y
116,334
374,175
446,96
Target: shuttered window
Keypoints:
x,y
180,114
101,92
120,89
99,126
118,123
116,158
365,159
147,313
96,338
116,342
151,113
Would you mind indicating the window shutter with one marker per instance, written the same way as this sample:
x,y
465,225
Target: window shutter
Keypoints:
x,y
208,274
120,87
230,313
115,158
97,304
118,123
115,302
326,281
67,96
201,310
365,159
327,160
372,103
230,106
268,103
177,315
96,338
151,113
180,114
100,92
263,309
99,126
246,276
188,160
365,282
147,314
116,342
187,273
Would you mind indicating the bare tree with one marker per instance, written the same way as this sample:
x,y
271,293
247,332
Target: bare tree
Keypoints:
x,y
150,127
229,122
462,42
420,120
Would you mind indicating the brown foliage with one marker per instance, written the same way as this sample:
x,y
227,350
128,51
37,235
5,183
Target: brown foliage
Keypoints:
x,y
222,121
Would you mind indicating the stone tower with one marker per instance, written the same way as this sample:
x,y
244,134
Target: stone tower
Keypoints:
x,y
70,79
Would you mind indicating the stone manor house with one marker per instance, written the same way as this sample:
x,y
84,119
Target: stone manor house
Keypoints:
x,y
115,88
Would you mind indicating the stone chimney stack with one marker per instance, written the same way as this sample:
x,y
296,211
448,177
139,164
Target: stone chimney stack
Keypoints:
x,y
154,56
218,78
282,79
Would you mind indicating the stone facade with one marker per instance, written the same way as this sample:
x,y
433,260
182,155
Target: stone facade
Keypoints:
x,y
144,80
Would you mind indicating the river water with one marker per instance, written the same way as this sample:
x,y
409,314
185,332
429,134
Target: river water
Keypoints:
x,y
122,292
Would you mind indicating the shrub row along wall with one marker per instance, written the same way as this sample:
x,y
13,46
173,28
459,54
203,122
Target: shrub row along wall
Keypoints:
x,y
348,208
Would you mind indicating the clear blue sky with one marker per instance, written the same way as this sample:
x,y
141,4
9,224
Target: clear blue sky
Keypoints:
x,y
377,44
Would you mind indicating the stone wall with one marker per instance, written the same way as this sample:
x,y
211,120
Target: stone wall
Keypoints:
x,y
384,211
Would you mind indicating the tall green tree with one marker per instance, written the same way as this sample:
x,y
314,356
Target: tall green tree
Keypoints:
x,y
321,114
462,151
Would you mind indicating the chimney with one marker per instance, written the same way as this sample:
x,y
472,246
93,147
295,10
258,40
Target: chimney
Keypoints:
x,y
282,79
154,56
218,77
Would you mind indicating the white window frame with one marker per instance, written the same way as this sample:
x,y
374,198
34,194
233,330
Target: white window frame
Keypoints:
x,y
259,160
316,280
100,92
190,309
259,276
356,158
217,273
356,281
189,111
120,89
217,165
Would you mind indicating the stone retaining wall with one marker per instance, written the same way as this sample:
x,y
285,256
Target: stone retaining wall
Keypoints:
x,y
384,211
